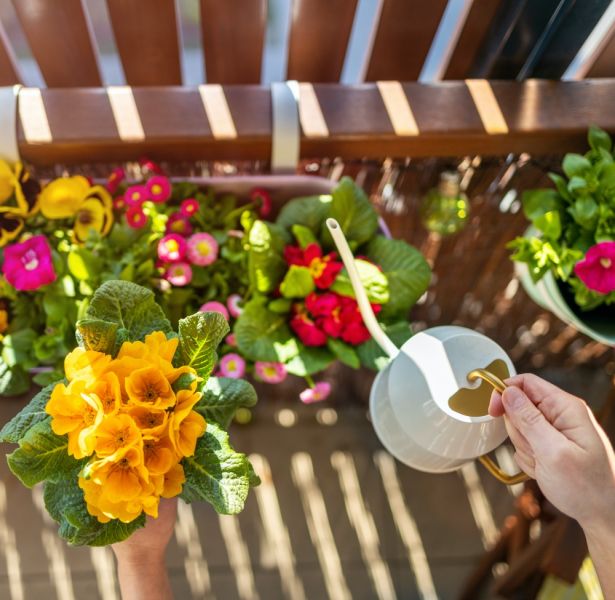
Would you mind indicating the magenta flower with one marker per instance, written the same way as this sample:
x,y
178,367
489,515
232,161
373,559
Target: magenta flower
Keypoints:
x,y
189,207
177,223
159,188
29,265
262,199
135,217
270,372
202,249
172,248
233,304
179,274
597,269
119,203
136,195
233,366
115,178
231,340
215,307
319,392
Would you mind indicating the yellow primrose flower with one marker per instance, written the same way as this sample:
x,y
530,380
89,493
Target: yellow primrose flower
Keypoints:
x,y
115,433
95,213
151,421
186,425
85,364
150,388
174,479
158,455
62,197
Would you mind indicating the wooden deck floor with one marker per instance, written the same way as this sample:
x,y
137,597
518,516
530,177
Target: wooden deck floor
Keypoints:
x,y
335,517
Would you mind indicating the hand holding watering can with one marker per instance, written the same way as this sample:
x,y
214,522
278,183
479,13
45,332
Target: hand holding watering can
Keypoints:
x,y
429,405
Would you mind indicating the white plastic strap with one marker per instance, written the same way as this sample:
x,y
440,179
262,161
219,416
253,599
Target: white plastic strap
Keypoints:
x,y
286,135
9,148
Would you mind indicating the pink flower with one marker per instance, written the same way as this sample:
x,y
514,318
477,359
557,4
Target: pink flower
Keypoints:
x,y
189,207
179,274
150,166
233,366
119,203
29,265
177,223
262,199
215,307
233,304
202,249
319,392
231,340
136,195
597,269
270,372
135,217
172,248
115,178
159,188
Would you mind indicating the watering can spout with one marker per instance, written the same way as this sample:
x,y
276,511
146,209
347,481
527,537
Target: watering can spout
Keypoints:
x,y
369,318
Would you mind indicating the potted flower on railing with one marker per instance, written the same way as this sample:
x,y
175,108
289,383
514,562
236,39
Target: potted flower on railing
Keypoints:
x,y
301,314
566,260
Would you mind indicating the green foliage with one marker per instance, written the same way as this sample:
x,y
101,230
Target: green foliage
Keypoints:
x,y
309,211
297,283
13,380
30,415
222,396
96,334
344,352
309,360
373,279
372,356
266,262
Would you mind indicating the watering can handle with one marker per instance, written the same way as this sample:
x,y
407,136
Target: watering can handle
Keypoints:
x,y
500,475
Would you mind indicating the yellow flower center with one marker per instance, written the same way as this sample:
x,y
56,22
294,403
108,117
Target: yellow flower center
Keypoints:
x,y
203,248
606,263
156,189
172,245
151,393
30,260
177,226
89,415
121,436
232,365
317,267
270,372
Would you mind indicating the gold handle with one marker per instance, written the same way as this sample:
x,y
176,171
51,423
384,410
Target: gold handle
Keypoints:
x,y
500,475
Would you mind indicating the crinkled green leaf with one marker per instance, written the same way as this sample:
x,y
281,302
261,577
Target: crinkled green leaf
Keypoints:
x,y
41,455
266,264
297,283
308,211
309,360
27,417
216,473
199,336
372,356
264,335
131,306
13,380
98,335
222,396
344,352
407,273
373,279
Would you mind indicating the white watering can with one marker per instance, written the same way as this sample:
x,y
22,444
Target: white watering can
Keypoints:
x,y
429,405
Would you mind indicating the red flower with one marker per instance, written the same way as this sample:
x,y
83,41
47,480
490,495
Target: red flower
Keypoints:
x,y
324,269
262,199
306,328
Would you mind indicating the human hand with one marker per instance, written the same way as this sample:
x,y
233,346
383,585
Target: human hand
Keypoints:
x,y
559,443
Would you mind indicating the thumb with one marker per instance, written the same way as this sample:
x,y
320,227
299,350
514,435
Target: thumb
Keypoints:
x,y
526,417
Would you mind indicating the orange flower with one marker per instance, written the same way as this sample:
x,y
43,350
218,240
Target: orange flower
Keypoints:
x,y
174,480
158,345
159,455
150,388
151,421
85,364
116,432
107,388
186,425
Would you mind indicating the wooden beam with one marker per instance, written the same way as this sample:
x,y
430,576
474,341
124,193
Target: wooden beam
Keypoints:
x,y
9,72
369,120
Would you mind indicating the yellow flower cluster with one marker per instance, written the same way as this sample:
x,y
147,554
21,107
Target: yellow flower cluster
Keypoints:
x,y
124,413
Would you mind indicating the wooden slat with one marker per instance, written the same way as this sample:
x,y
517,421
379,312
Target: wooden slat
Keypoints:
x,y
233,38
9,73
541,117
61,41
478,23
403,38
319,37
147,40
604,65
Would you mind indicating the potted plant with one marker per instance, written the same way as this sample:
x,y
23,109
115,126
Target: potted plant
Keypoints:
x,y
566,259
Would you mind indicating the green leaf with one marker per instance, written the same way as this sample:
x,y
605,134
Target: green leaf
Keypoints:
x,y
131,306
308,211
344,352
98,335
222,396
297,283
280,305
538,202
598,138
372,356
266,264
83,265
560,185
550,224
13,380
309,360
585,212
30,415
17,348
216,473
575,164
407,273
45,378
41,455
199,336
304,235
373,279
354,212
264,335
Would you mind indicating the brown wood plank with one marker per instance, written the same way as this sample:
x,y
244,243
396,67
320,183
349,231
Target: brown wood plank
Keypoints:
x,y
403,38
147,40
542,118
60,38
604,65
9,72
319,37
477,25
233,38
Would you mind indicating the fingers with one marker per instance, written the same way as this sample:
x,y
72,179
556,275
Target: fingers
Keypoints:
x,y
526,464
496,408
518,439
